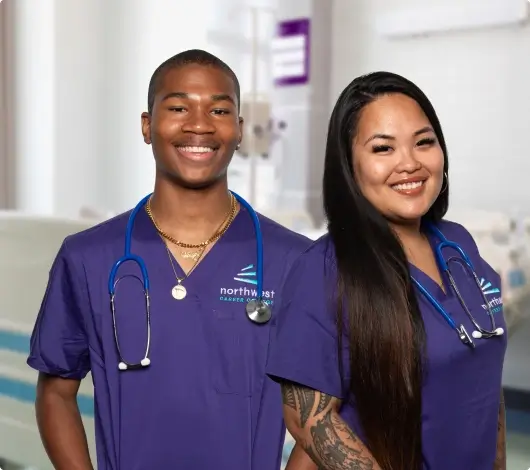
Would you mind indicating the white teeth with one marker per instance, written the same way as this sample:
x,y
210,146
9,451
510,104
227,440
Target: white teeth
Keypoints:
x,y
196,149
407,186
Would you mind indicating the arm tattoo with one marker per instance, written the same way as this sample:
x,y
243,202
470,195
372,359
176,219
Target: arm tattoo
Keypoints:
x,y
299,398
341,426
306,399
332,445
323,403
288,395
314,457
333,452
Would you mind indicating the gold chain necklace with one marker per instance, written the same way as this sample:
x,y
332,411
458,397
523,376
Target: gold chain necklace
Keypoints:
x,y
195,251
179,292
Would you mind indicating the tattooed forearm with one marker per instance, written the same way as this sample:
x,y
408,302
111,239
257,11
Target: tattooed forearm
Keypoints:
x,y
341,426
335,452
324,436
500,458
314,457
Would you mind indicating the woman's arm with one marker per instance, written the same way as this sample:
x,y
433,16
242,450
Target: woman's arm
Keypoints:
x,y
299,460
313,420
500,459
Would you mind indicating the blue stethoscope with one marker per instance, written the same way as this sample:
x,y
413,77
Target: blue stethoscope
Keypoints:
x,y
464,261
257,310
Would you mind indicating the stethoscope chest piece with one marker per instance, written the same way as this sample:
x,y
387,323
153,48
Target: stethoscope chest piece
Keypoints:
x,y
258,311
464,336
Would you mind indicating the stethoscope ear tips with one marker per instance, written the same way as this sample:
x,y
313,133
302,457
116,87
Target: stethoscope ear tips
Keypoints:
x,y
143,363
496,332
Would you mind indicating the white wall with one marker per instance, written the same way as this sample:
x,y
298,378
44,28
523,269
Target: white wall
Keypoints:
x,y
3,149
81,163
479,84
77,139
105,55
106,51
6,154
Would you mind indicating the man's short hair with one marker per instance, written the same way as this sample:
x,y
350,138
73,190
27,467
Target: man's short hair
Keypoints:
x,y
192,56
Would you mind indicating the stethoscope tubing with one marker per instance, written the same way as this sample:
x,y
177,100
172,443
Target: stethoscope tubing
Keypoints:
x,y
257,310
443,264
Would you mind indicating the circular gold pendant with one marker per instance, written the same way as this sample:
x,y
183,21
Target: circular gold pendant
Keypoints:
x,y
178,292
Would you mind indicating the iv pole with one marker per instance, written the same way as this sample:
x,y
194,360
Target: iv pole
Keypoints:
x,y
254,12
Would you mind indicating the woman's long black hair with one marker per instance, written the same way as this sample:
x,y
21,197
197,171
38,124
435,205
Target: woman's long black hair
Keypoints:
x,y
378,314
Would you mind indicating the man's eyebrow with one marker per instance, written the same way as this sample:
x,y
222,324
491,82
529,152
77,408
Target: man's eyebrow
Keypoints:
x,y
175,94
223,97
182,95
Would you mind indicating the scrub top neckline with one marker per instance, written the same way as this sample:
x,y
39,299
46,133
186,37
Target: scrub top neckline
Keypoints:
x,y
427,281
151,234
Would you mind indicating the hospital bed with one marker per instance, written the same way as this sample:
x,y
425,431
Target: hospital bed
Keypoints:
x,y
28,246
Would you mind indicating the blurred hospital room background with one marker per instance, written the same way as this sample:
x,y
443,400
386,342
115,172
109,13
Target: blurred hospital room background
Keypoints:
x,y
73,82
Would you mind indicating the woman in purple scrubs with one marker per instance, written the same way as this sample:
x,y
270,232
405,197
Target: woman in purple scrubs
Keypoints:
x,y
373,375
204,402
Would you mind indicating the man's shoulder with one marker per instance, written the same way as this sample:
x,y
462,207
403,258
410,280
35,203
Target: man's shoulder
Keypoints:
x,y
105,234
282,237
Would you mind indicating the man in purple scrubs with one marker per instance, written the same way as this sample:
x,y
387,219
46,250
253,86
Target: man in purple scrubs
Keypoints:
x,y
204,402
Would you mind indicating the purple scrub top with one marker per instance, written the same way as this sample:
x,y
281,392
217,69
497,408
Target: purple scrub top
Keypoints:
x,y
205,401
461,390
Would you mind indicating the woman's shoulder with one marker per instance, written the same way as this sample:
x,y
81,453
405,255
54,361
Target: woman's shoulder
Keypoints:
x,y
320,253
455,232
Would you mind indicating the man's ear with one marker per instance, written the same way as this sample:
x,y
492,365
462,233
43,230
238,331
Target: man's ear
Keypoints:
x,y
146,128
241,130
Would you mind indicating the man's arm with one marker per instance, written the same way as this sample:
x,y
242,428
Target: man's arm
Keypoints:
x,y
60,425
500,459
313,420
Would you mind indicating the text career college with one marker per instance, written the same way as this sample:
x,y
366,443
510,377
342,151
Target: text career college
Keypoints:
x,y
244,295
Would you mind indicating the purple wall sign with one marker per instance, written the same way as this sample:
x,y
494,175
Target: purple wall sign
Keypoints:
x,y
290,53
